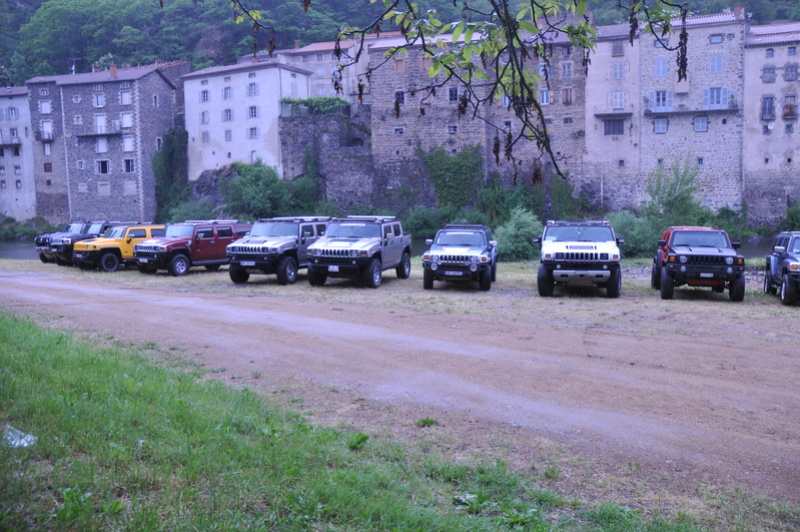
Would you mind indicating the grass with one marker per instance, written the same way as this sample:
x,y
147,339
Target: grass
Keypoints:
x,y
124,443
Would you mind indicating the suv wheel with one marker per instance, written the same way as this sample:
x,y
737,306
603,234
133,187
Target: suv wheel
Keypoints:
x,y
788,291
614,286
109,261
43,258
769,288
238,274
403,269
736,291
287,270
427,279
655,277
179,265
315,277
667,284
372,274
486,279
544,281
494,271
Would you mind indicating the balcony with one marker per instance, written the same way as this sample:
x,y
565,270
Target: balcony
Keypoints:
x,y
608,111
44,136
98,130
11,141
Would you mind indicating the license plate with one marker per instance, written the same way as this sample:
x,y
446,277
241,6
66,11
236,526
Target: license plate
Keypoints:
x,y
707,275
453,273
78,255
333,268
142,260
248,263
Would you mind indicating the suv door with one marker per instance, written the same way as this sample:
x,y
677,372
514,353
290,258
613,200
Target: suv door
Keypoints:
x,y
204,244
392,245
305,239
777,257
134,235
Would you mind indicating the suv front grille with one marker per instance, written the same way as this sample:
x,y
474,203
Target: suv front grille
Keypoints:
x,y
454,258
146,249
334,253
706,260
581,256
246,250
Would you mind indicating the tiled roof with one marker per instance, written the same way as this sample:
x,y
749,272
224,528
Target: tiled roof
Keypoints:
x,y
102,76
773,34
716,18
614,30
13,91
255,65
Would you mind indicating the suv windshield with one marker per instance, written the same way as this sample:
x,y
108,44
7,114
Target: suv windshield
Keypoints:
x,y
274,229
353,230
179,231
115,232
459,238
715,239
578,233
74,228
95,229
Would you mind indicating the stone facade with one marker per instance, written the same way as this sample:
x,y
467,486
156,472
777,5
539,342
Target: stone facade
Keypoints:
x,y
97,133
17,186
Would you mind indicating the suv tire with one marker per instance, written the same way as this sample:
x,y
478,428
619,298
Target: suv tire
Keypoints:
x,y
238,274
655,277
179,265
403,269
109,261
427,279
315,277
736,290
287,270
544,281
667,284
788,291
769,288
373,275
614,286
486,280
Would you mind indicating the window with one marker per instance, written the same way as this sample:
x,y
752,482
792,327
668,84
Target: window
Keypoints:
x,y
228,135
252,89
159,143
789,128
566,51
452,129
304,58
400,97
81,165
47,148
204,117
399,131
452,94
99,100
790,73
567,120
544,97
2,170
227,93
48,167
621,163
661,66
543,71
661,101
125,84
613,127
767,108
98,87
205,137
661,43
320,90
227,115
103,189
12,113
252,133
400,65
791,50
770,52
18,183
566,69
506,101
76,98
101,145
425,63
701,123
617,70
717,98
252,111
660,125
126,119
44,92
716,38
204,82
768,75
101,167
45,107
77,120
715,63
155,100
205,95
617,48
129,167
125,98
127,143
700,161
3,183
319,57
566,96
618,100
790,107
320,72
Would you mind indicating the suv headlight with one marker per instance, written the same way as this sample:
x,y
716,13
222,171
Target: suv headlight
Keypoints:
x,y
354,253
728,260
683,259
793,266
474,258
434,257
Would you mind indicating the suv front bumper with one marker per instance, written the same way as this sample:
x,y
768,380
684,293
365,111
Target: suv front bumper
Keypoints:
x,y
704,275
264,263
456,271
576,274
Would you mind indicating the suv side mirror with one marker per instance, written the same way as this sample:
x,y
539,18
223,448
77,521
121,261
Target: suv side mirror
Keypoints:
x,y
662,243
493,243
736,245
620,241
428,241
537,240
779,249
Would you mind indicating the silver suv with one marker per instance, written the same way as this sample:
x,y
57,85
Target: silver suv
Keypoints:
x,y
579,254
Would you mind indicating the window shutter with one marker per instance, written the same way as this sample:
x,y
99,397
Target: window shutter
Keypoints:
x,y
705,98
669,100
651,96
724,103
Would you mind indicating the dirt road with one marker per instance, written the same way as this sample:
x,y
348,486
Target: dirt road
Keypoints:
x,y
697,391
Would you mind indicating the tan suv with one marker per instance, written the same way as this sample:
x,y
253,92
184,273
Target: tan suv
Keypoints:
x,y
114,248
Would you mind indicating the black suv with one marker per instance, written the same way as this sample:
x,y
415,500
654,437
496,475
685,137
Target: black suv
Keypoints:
x,y
461,252
42,241
783,267
61,247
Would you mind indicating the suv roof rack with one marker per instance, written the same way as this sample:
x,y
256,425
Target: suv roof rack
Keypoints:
x,y
578,222
371,218
465,226
296,219
212,222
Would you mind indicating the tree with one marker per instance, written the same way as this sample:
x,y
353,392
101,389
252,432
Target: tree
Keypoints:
x,y
492,52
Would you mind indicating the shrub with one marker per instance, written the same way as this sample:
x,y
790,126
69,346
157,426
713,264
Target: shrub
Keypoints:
x,y
515,237
424,222
191,210
456,177
641,234
792,220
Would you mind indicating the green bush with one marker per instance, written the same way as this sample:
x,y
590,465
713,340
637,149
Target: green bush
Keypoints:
x,y
11,229
191,210
792,220
515,237
424,222
455,178
641,234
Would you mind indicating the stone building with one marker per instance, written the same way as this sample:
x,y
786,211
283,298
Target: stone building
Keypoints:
x,y
232,113
17,187
772,135
95,135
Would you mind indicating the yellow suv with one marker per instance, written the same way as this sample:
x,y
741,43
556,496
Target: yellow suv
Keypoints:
x,y
114,248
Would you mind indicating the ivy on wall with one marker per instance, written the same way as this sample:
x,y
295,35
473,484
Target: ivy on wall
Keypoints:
x,y
455,178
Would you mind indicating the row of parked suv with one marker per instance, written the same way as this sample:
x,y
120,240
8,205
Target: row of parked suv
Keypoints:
x,y
572,253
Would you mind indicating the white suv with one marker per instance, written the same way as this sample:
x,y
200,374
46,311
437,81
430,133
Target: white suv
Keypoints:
x,y
579,254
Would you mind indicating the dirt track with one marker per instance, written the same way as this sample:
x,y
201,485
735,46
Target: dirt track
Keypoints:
x,y
694,391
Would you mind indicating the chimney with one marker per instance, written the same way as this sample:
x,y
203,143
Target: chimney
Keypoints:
x,y
737,9
297,44
113,71
95,67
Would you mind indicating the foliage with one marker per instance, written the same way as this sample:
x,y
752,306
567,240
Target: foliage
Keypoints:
x,y
673,198
11,229
320,105
190,210
455,178
170,168
792,220
423,222
515,237
640,233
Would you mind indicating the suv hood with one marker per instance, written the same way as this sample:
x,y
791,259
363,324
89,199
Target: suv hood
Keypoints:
x,y
457,250
346,243
704,250
163,241
271,241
